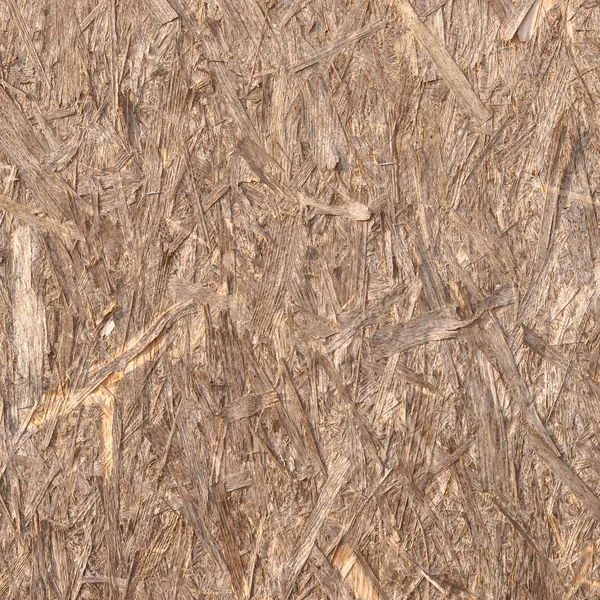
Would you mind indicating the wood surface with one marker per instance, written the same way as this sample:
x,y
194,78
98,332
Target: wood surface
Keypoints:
x,y
299,299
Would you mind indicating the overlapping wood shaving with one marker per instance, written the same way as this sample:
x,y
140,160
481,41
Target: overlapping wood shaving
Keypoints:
x,y
299,299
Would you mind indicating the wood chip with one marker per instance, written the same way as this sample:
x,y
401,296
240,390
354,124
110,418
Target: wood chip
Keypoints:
x,y
299,299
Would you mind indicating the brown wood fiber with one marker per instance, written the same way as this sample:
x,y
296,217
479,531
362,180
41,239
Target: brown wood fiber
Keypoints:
x,y
299,299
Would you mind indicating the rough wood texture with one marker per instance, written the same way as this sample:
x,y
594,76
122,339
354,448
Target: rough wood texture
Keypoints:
x,y
299,299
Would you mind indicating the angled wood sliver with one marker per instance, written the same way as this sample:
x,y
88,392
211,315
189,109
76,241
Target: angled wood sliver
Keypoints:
x,y
447,67
523,19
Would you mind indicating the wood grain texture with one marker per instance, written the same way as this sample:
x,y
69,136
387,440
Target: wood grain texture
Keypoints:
x,y
447,67
299,299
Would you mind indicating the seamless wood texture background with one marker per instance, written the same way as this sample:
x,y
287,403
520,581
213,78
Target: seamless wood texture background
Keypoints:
x,y
299,299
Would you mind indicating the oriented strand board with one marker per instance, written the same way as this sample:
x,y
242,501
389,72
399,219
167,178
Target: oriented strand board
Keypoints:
x,y
299,299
